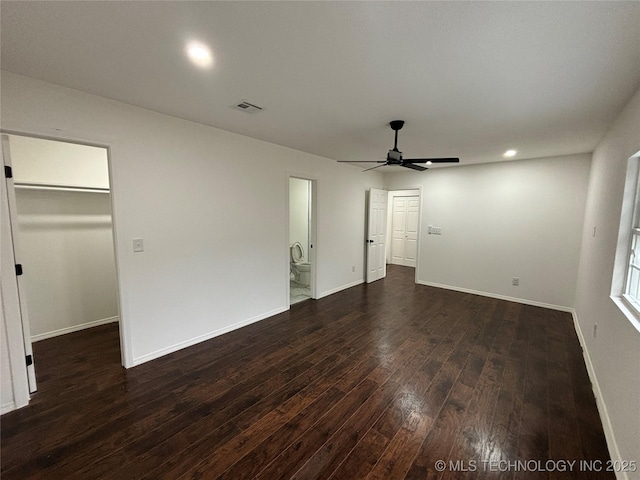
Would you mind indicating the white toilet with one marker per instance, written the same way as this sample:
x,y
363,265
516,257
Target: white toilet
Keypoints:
x,y
301,270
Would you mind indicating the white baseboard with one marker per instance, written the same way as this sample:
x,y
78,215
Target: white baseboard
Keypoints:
x,y
614,452
499,297
201,338
339,289
7,407
73,328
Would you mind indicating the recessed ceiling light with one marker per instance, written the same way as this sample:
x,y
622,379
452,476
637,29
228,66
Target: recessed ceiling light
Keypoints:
x,y
199,54
429,162
510,153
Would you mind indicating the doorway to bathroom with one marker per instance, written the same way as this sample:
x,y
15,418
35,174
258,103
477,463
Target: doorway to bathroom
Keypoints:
x,y
302,246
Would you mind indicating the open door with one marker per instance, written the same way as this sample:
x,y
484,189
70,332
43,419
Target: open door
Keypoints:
x,y
376,240
9,196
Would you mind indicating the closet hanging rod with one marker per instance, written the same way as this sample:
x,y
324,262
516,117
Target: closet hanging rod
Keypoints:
x,y
62,188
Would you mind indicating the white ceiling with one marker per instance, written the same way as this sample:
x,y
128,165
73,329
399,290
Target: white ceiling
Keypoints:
x,y
471,79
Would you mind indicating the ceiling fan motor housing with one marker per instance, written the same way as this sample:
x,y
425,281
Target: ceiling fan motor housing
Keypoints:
x,y
394,156
396,124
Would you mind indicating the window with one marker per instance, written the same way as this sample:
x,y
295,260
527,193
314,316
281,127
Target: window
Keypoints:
x,y
632,285
625,290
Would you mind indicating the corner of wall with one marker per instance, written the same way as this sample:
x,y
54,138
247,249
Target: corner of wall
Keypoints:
x,y
614,452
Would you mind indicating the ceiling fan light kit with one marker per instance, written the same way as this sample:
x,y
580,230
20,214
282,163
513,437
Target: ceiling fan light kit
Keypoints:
x,y
394,156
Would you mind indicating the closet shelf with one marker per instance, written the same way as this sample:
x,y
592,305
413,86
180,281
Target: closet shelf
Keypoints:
x,y
62,188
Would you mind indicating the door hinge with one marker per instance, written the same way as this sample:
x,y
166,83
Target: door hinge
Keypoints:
x,y
8,171
29,360
18,269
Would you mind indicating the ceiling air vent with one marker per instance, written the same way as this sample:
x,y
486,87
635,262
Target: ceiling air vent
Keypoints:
x,y
247,107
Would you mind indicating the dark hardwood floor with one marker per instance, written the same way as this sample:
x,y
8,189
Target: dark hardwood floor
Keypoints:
x,y
379,381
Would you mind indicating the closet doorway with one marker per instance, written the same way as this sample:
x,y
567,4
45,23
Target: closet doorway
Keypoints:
x,y
63,231
302,248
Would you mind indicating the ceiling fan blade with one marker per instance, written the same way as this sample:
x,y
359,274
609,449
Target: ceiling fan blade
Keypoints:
x,y
414,167
377,166
361,161
433,160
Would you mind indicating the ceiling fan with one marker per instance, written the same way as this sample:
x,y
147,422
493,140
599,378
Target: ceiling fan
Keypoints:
x,y
394,157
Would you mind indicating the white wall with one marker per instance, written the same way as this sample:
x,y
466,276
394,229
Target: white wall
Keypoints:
x,y
46,162
170,181
299,197
614,355
502,220
66,242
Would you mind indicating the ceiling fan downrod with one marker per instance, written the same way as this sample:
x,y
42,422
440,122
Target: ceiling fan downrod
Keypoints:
x,y
395,126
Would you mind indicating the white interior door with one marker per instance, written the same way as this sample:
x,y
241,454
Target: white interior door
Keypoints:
x,y
376,240
404,227
411,231
9,192
398,226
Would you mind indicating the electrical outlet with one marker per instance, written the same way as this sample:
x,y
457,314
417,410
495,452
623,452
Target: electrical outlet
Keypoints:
x,y
595,329
138,245
515,281
353,269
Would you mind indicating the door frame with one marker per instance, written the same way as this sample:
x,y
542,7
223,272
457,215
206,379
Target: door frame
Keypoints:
x,y
110,145
416,190
11,312
313,240
22,311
